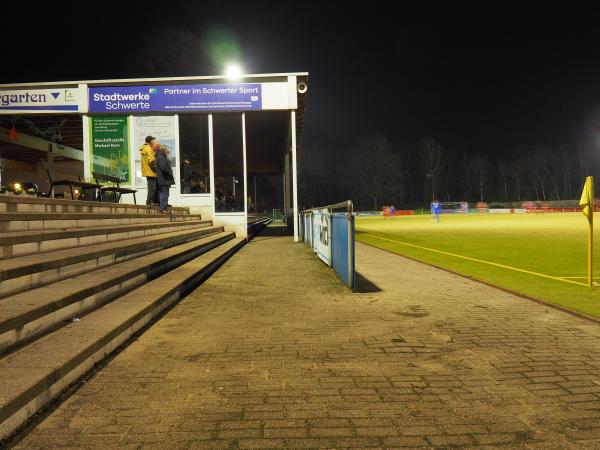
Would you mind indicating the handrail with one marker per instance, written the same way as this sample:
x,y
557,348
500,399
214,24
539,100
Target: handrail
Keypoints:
x,y
347,204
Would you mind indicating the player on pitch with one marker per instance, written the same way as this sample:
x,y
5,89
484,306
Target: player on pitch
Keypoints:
x,y
436,209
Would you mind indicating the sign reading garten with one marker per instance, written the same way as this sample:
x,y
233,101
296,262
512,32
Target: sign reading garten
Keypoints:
x,y
109,136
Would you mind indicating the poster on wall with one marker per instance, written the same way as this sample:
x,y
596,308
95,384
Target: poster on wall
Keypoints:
x,y
109,144
163,128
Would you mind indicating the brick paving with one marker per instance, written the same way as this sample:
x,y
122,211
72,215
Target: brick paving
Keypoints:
x,y
273,352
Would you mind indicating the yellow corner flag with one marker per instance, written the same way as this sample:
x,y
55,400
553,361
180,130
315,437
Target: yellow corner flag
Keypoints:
x,y
587,205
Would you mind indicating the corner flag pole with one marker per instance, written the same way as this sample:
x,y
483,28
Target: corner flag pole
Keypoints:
x,y
591,244
587,203
591,235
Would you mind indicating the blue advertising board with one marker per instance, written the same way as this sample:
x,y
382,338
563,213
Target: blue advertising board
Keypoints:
x,y
176,98
331,236
342,243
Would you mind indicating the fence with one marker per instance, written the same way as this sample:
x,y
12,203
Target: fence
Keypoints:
x,y
537,206
277,215
331,236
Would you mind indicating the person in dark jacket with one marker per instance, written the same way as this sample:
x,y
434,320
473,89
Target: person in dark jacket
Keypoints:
x,y
164,178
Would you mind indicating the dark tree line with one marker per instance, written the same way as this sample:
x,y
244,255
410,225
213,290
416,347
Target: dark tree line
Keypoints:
x,y
377,172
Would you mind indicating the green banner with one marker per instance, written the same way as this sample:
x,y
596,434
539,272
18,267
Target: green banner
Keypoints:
x,y
109,144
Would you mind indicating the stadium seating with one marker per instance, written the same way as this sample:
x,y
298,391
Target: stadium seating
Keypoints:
x,y
257,224
77,279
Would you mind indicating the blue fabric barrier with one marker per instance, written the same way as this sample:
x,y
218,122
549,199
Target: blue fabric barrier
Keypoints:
x,y
342,247
338,250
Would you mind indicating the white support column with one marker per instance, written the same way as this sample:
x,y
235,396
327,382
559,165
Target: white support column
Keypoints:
x,y
286,184
87,167
294,175
51,167
176,196
85,125
283,189
132,149
245,168
211,162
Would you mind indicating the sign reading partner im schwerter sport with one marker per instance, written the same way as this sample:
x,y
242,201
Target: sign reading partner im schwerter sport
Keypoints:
x,y
176,98
41,100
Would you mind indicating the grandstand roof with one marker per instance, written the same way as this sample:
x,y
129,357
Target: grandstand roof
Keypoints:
x,y
270,128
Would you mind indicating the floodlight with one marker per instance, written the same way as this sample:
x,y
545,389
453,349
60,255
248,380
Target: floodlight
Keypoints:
x,y
233,72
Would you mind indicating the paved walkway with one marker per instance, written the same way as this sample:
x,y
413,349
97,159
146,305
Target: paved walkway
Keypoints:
x,y
272,352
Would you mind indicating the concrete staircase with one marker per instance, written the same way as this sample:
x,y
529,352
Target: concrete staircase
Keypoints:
x,y
77,279
256,224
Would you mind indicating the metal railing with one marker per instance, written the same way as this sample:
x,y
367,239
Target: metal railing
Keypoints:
x,y
348,205
331,236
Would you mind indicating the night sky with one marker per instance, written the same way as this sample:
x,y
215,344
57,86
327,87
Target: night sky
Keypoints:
x,y
479,78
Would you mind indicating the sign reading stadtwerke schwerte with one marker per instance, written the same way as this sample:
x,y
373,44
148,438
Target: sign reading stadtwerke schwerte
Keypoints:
x,y
176,98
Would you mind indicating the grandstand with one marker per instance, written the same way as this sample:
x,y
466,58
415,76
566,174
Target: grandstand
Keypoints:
x,y
82,271
234,144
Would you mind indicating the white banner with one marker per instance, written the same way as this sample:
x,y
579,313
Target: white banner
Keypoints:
x,y
162,128
322,235
28,101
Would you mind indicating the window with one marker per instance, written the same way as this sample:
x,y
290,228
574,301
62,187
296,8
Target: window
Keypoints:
x,y
162,128
194,168
229,162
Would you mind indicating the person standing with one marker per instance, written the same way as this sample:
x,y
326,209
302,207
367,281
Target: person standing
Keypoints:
x,y
436,209
164,178
149,168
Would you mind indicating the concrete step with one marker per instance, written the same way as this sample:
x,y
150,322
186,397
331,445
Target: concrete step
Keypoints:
x,y
22,243
26,204
28,272
35,374
29,314
13,222
258,219
257,224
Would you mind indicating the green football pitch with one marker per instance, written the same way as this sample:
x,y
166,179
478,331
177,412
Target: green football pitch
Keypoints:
x,y
539,255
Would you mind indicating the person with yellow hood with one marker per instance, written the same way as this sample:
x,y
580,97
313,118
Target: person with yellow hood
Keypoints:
x,y
149,168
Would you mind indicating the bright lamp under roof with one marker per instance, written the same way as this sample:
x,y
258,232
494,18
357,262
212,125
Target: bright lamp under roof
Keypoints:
x,y
233,72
